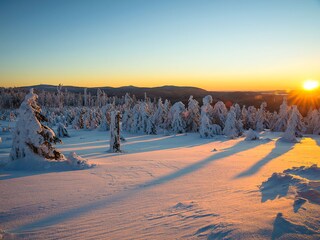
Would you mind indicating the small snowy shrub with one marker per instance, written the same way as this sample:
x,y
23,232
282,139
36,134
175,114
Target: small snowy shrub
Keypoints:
x,y
251,135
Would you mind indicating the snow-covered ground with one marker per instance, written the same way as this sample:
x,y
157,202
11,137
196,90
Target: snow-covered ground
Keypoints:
x,y
164,187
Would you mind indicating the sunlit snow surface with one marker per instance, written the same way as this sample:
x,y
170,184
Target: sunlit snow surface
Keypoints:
x,y
162,187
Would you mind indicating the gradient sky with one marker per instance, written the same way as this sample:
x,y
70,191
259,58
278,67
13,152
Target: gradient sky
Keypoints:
x,y
214,44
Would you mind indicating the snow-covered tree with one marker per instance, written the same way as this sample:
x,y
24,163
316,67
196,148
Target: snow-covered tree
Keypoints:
x,y
207,129
283,116
159,114
151,125
178,123
85,97
295,126
193,115
62,130
78,122
220,112
313,122
127,117
115,132
251,117
105,117
60,96
261,118
167,115
233,127
31,137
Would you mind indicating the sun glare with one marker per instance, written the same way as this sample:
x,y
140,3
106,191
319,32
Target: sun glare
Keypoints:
x,y
310,85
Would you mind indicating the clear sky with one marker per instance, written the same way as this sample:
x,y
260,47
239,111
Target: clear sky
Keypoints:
x,y
213,44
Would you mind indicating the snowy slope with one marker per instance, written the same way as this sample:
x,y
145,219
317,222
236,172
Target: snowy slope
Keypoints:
x,y
160,187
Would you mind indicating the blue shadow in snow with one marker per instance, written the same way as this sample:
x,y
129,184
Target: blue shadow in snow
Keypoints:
x,y
279,149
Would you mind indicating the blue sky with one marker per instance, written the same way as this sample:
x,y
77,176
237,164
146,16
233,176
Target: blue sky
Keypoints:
x,y
254,44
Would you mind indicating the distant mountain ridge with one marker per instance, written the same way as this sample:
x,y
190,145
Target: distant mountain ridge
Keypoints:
x,y
178,93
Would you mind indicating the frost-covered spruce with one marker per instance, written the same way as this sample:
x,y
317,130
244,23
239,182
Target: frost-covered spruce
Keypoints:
x,y
251,117
105,116
261,118
295,126
220,112
31,138
62,130
233,127
283,116
151,125
205,125
313,120
127,113
159,114
193,115
178,123
207,129
115,132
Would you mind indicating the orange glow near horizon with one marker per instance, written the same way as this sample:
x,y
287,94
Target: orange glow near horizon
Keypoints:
x,y
219,82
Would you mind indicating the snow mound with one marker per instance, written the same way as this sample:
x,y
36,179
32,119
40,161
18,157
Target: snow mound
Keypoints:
x,y
251,135
302,184
215,231
285,229
78,162
305,181
37,163
181,205
312,172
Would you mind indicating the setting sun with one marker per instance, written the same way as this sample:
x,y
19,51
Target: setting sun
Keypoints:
x,y
310,85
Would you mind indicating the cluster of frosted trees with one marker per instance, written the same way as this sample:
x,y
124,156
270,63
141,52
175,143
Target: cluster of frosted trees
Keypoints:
x,y
162,117
11,98
211,120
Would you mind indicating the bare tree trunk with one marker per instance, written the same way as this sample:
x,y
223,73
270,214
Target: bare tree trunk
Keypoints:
x,y
115,132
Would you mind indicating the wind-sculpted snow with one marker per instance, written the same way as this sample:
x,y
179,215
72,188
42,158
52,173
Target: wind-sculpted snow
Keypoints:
x,y
303,185
306,181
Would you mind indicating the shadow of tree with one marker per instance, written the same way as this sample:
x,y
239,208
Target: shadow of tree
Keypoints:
x,y
279,149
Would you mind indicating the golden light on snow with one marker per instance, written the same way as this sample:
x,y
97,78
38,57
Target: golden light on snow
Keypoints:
x,y
310,85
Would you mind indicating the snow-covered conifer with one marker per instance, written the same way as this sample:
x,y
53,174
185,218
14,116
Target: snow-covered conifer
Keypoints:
x,y
220,112
178,123
261,118
295,126
31,137
159,115
207,129
62,130
251,117
193,115
283,116
233,127
313,122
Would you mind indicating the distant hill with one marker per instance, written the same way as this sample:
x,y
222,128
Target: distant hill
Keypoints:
x,y
175,93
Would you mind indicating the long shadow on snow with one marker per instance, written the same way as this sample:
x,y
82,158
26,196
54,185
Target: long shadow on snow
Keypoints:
x,y
76,212
148,141
317,140
279,149
148,144
12,174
